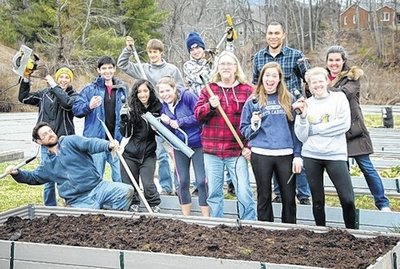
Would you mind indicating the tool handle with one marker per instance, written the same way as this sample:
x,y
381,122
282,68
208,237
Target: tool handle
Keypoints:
x,y
224,116
128,171
19,165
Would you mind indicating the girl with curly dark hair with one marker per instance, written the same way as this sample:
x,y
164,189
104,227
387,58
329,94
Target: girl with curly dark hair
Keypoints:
x,y
140,150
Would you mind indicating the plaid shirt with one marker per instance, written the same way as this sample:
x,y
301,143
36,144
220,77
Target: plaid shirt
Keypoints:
x,y
292,61
217,138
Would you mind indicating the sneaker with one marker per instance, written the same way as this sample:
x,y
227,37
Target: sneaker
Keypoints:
x,y
195,192
277,199
169,193
231,189
156,209
305,201
385,209
134,208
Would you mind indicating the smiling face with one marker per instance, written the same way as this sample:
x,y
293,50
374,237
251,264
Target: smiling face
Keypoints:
x,y
275,36
155,56
197,53
64,81
271,79
318,85
227,68
143,94
167,93
107,71
335,63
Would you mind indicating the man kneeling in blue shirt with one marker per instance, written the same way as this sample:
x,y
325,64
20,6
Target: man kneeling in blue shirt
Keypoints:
x,y
71,166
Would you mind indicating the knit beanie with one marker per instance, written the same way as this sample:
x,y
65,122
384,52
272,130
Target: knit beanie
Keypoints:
x,y
194,40
64,70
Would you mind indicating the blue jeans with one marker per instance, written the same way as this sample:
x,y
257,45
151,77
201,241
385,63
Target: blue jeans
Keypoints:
x,y
164,170
49,191
100,160
302,187
238,169
106,195
373,179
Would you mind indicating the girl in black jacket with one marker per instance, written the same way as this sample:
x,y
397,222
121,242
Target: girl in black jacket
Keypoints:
x,y
140,150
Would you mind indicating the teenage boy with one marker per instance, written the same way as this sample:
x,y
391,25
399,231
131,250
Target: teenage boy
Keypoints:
x,y
102,100
154,71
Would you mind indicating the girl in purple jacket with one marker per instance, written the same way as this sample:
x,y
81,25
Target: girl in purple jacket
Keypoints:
x,y
178,113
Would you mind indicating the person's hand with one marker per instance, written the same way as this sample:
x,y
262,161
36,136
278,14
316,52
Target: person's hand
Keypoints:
x,y
130,43
165,119
301,104
113,146
95,102
246,152
297,165
174,124
50,80
10,170
255,120
214,101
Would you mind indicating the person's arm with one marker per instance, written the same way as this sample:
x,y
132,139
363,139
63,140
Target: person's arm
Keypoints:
x,y
26,177
131,69
27,97
190,100
301,128
246,128
81,106
203,110
340,125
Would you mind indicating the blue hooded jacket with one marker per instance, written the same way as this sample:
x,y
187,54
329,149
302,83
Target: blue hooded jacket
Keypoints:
x,y
72,168
93,127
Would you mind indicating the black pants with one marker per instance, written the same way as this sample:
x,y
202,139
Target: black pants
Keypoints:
x,y
263,168
340,177
146,172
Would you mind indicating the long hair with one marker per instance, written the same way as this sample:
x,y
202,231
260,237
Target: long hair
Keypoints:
x,y
284,96
239,74
137,109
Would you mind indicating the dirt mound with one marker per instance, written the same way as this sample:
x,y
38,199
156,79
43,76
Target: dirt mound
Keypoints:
x,y
334,249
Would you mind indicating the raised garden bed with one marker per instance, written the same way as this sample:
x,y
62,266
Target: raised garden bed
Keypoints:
x,y
258,245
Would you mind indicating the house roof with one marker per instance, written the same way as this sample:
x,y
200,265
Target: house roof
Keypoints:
x,y
359,6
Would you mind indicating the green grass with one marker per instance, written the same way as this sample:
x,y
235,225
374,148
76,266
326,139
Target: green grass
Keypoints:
x,y
375,121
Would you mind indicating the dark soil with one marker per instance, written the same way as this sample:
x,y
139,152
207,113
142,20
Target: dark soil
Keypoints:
x,y
333,249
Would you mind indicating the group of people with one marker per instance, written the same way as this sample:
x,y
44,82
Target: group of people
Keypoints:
x,y
288,139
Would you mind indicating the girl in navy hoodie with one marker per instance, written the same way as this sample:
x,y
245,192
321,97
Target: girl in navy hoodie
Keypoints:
x,y
178,113
267,123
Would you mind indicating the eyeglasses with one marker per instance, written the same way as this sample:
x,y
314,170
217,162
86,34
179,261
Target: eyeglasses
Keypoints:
x,y
227,64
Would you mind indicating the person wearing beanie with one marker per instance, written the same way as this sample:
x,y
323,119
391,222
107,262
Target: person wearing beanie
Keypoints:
x,y
194,40
55,107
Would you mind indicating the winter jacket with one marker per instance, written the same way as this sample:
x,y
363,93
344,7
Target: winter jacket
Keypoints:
x,y
276,132
142,141
93,126
192,70
358,138
217,139
154,72
184,115
72,168
55,106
